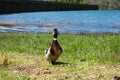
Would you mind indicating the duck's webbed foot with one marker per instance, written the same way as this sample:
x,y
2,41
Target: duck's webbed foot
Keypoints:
x,y
51,62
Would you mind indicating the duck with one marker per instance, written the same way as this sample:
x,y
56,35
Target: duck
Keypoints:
x,y
53,52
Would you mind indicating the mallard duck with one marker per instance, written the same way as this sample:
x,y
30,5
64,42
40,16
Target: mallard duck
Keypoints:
x,y
53,53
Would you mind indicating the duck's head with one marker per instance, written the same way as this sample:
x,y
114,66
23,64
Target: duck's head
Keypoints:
x,y
55,33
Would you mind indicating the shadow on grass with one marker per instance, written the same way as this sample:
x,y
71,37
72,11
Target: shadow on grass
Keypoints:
x,y
62,63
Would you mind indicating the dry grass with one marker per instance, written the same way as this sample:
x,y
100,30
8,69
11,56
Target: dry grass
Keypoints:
x,y
36,68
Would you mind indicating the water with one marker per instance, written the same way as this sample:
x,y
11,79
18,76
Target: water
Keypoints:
x,y
73,22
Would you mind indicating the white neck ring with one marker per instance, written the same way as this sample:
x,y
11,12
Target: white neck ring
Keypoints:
x,y
54,38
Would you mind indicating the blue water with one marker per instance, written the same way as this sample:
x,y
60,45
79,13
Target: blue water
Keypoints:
x,y
73,22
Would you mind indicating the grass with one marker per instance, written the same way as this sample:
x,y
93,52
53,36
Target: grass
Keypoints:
x,y
85,57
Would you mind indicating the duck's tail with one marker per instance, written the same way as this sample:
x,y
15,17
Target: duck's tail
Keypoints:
x,y
47,53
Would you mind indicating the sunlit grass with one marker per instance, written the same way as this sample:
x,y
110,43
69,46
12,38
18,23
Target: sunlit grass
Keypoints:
x,y
93,56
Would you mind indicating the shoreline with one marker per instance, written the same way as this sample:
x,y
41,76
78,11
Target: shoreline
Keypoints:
x,y
7,7
94,33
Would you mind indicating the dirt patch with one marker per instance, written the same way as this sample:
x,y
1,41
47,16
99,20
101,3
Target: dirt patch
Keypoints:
x,y
29,65
65,76
31,71
36,67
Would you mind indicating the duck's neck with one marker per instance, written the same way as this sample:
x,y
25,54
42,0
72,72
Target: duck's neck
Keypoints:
x,y
55,37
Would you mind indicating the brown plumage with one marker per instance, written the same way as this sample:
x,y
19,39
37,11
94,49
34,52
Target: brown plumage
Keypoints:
x,y
53,53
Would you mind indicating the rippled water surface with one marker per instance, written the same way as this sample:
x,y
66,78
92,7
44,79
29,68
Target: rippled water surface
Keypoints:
x,y
65,21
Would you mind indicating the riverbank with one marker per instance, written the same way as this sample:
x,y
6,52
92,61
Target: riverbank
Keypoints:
x,y
85,56
7,7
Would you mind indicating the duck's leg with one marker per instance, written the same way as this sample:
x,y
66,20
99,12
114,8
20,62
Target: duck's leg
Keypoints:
x,y
54,62
51,62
